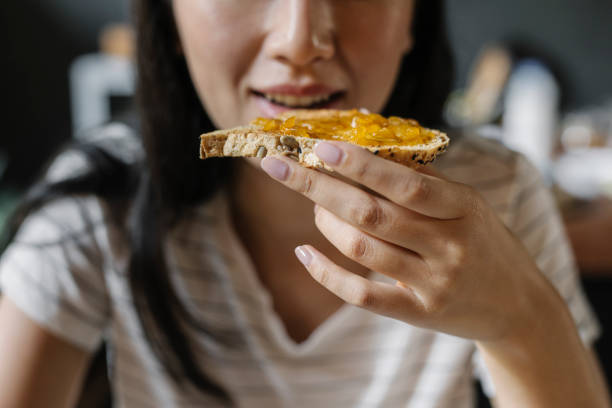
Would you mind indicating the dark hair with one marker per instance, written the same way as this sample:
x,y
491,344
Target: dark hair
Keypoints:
x,y
172,178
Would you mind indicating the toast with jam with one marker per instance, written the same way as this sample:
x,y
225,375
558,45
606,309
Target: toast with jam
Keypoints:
x,y
295,133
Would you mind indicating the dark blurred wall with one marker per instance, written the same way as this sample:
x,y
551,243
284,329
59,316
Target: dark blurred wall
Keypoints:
x,y
578,34
40,39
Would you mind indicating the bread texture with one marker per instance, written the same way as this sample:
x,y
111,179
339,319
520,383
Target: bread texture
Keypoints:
x,y
251,141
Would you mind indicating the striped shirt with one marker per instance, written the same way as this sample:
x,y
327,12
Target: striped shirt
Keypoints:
x,y
66,270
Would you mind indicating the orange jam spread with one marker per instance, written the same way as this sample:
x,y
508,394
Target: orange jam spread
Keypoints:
x,y
366,129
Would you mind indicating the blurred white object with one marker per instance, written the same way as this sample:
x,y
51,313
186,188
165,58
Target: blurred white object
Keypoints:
x,y
585,173
531,114
577,132
93,80
591,127
490,132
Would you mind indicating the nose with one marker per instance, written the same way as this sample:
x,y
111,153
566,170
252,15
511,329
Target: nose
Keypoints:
x,y
301,32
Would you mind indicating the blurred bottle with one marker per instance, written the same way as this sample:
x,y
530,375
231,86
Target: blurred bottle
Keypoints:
x,y
531,113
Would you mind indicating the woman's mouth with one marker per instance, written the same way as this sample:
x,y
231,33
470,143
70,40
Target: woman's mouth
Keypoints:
x,y
275,101
300,102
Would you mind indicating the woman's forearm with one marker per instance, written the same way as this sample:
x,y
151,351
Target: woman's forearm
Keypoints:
x,y
544,363
38,369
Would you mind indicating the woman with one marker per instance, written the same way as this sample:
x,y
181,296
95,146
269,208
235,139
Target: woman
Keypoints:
x,y
186,268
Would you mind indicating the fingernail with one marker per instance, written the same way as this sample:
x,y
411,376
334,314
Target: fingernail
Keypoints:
x,y
275,168
304,255
329,153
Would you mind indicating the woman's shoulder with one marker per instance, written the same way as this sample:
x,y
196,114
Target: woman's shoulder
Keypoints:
x,y
473,153
496,172
71,208
482,162
114,139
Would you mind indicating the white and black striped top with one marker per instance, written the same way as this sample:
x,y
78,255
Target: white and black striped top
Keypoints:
x,y
67,271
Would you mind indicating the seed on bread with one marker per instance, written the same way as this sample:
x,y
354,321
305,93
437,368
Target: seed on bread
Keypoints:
x,y
261,152
291,155
290,142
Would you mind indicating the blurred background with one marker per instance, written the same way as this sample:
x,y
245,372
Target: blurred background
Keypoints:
x,y
44,38
535,75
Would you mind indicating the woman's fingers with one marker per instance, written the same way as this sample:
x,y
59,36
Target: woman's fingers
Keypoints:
x,y
411,189
375,215
378,297
380,256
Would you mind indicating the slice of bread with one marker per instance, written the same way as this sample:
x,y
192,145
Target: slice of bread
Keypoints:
x,y
254,141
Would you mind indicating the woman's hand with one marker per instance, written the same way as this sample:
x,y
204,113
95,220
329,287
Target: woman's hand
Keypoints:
x,y
459,270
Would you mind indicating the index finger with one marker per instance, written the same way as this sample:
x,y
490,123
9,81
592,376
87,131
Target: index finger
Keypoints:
x,y
425,194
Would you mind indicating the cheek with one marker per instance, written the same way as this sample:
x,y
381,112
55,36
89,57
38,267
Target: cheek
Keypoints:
x,y
373,49
216,57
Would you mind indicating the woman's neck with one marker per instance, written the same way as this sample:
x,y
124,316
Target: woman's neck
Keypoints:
x,y
270,216
263,207
271,220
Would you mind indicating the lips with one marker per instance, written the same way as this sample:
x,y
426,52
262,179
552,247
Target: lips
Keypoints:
x,y
297,101
274,100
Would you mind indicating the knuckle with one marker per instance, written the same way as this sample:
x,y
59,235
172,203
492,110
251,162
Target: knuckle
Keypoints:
x,y
369,214
478,209
473,202
305,186
416,189
361,169
470,190
357,247
323,276
456,256
446,284
437,301
362,296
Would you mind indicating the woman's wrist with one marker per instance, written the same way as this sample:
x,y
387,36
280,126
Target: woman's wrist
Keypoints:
x,y
529,330
537,310
542,362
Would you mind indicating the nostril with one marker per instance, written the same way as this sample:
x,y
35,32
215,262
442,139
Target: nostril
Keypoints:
x,y
304,51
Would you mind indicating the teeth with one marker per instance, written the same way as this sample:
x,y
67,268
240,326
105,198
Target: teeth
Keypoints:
x,y
297,101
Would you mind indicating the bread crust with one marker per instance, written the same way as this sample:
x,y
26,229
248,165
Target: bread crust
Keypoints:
x,y
250,141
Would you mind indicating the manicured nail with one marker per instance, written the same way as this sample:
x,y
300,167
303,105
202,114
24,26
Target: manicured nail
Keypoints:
x,y
304,255
329,153
275,168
